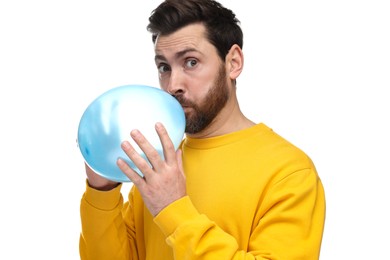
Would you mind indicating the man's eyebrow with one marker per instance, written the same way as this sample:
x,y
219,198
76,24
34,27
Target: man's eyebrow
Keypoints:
x,y
177,55
159,57
183,52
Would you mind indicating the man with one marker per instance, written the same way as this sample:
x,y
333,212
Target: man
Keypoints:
x,y
233,190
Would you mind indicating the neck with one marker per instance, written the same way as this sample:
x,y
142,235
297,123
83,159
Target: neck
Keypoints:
x,y
230,119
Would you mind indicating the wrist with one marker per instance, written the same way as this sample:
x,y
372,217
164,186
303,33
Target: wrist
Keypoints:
x,y
106,186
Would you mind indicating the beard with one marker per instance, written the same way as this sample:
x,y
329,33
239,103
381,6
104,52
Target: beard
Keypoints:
x,y
204,112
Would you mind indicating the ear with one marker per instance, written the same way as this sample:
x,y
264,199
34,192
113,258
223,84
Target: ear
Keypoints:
x,y
234,61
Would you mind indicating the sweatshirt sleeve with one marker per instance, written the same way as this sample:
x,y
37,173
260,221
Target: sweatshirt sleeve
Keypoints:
x,y
288,225
103,231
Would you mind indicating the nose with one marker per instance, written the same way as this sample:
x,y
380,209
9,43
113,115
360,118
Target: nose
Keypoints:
x,y
176,83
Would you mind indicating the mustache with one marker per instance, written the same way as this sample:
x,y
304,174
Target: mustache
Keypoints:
x,y
184,102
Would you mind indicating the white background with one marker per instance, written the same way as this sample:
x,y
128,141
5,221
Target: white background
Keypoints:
x,y
317,72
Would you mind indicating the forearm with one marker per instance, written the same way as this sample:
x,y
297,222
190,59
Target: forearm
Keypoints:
x,y
103,233
192,235
288,225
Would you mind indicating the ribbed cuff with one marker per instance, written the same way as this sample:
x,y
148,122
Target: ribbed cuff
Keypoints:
x,y
103,200
174,214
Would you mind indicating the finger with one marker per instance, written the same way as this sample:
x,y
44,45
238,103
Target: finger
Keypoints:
x,y
136,158
179,159
149,151
167,144
130,173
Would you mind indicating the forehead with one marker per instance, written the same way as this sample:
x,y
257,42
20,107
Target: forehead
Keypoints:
x,y
189,37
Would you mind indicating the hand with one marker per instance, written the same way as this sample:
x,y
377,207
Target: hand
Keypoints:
x,y
164,182
98,182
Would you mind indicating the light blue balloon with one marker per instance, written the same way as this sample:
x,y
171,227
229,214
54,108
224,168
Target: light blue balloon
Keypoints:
x,y
108,120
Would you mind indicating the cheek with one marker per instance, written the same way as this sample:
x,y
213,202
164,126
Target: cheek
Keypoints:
x,y
200,84
163,83
201,88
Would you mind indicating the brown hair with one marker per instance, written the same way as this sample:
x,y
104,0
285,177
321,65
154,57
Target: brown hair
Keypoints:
x,y
222,26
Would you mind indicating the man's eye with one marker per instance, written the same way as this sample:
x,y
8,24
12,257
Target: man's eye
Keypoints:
x,y
191,63
163,68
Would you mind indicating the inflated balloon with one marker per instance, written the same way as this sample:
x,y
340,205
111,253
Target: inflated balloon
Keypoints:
x,y
108,120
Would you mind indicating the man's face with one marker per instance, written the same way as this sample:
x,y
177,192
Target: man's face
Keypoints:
x,y
190,69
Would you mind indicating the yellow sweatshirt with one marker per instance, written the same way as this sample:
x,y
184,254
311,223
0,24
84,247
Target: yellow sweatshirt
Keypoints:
x,y
251,195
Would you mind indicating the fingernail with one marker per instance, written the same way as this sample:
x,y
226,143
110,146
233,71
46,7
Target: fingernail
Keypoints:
x,y
126,144
135,132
